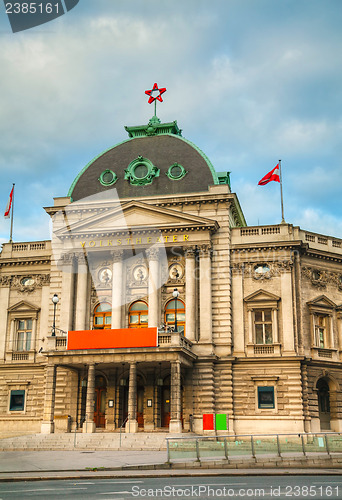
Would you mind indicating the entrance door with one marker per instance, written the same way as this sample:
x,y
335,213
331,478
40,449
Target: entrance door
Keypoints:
x,y
165,406
324,404
100,402
140,406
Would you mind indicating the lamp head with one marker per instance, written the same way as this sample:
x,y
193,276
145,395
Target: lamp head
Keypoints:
x,y
55,299
175,293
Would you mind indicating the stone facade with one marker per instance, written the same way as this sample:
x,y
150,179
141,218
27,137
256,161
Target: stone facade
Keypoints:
x,y
258,309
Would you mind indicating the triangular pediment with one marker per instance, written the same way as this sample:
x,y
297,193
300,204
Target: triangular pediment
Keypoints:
x,y
23,306
135,215
262,296
322,301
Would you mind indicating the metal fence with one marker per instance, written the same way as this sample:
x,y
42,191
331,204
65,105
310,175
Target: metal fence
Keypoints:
x,y
253,446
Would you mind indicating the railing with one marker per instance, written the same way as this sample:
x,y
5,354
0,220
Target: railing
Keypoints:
x,y
251,446
24,247
122,425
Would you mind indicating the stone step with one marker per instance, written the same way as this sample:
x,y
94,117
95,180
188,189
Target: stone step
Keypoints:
x,y
96,441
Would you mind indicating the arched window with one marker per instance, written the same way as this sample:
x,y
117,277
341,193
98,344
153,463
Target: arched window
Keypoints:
x,y
171,309
103,316
138,315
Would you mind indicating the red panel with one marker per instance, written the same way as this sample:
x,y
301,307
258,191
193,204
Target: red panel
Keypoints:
x,y
112,339
208,422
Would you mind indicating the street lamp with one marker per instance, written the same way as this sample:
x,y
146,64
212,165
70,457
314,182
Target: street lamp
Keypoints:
x,y
55,301
175,293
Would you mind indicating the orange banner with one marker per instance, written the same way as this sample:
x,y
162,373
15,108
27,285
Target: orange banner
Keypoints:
x,y
112,339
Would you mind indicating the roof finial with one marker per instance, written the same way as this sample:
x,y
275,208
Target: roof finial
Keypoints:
x,y
155,94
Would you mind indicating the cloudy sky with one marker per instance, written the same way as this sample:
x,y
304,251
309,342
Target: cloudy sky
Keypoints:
x,y
249,81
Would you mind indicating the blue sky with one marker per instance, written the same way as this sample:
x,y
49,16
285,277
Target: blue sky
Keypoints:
x,y
249,81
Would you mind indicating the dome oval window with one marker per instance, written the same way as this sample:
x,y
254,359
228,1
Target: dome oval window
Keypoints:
x,y
176,172
108,178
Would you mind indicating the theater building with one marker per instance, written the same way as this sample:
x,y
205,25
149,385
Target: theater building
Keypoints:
x,y
155,304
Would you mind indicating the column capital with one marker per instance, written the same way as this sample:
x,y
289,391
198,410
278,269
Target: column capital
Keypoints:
x,y
68,258
116,255
153,253
205,250
80,258
190,252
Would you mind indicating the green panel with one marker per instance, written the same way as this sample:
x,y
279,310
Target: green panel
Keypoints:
x,y
221,422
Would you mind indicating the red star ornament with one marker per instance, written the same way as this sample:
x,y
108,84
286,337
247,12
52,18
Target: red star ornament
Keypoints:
x,y
152,94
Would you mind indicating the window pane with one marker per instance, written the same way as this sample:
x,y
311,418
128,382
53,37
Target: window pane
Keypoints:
x,y
180,316
98,320
104,307
17,400
268,334
20,346
108,320
143,318
29,324
268,315
265,397
139,306
28,341
258,334
21,324
170,318
258,315
134,319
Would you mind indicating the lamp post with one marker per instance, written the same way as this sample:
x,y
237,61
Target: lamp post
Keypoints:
x,y
55,301
175,294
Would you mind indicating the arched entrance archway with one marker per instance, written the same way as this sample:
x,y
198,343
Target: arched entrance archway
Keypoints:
x,y
323,403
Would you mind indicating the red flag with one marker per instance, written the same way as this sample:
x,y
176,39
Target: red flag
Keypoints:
x,y
9,204
271,176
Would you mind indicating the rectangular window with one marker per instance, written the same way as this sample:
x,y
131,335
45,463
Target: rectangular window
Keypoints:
x,y
263,326
24,334
321,331
266,397
17,401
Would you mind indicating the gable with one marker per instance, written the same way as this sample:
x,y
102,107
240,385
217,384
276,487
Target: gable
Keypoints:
x,y
262,296
135,216
23,306
321,301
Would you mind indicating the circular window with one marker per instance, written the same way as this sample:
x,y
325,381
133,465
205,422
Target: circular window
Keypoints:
x,y
108,178
176,172
140,171
27,281
261,270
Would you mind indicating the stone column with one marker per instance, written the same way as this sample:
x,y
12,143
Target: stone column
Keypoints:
x,y
132,424
287,313
67,299
4,303
81,299
238,312
117,289
205,295
47,425
153,287
176,398
89,424
190,294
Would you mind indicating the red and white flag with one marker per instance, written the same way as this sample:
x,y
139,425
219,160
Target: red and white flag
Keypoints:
x,y
9,205
274,175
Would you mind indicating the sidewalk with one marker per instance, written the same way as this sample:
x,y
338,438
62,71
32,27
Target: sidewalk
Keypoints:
x,y
38,465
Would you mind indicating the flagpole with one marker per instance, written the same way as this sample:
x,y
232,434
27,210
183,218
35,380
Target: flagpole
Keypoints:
x,y
12,208
281,194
